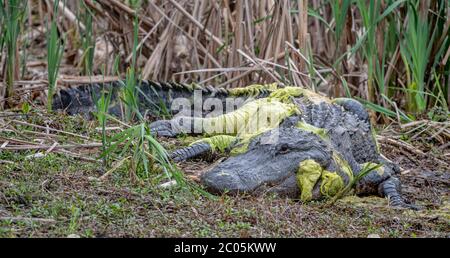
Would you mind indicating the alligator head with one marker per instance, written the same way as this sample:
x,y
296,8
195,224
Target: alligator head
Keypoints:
x,y
269,164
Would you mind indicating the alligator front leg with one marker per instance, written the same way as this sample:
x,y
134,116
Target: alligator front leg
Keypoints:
x,y
162,128
219,143
392,190
191,151
174,127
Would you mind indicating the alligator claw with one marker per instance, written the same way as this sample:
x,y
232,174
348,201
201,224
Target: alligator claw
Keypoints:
x,y
407,206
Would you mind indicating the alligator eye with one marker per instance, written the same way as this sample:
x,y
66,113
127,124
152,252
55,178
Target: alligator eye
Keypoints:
x,y
284,148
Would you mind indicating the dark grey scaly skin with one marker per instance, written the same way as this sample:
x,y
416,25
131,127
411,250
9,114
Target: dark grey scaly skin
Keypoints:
x,y
155,98
192,151
273,167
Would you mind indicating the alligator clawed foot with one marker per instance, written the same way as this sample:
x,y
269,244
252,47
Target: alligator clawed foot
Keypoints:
x,y
409,207
401,204
162,128
192,151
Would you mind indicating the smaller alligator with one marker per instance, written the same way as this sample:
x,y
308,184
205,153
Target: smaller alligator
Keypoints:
x,y
308,146
154,98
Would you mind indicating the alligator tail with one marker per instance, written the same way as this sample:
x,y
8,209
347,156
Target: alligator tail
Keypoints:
x,y
154,98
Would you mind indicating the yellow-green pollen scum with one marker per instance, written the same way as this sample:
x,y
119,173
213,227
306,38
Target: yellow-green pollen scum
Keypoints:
x,y
343,165
252,119
308,175
322,133
218,143
253,90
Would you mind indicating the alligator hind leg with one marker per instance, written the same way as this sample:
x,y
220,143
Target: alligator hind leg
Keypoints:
x,y
392,190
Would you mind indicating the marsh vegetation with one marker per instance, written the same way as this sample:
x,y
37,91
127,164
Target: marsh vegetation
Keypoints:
x,y
63,175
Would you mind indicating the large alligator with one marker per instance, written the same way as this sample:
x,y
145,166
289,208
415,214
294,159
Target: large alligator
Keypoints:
x,y
286,140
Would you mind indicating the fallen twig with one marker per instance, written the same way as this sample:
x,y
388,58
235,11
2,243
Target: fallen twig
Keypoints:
x,y
46,147
29,219
116,166
402,144
50,129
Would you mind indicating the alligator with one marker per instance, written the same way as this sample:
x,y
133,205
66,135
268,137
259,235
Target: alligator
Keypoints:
x,y
154,98
286,140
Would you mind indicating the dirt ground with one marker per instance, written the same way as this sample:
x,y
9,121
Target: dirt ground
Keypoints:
x,y
56,196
